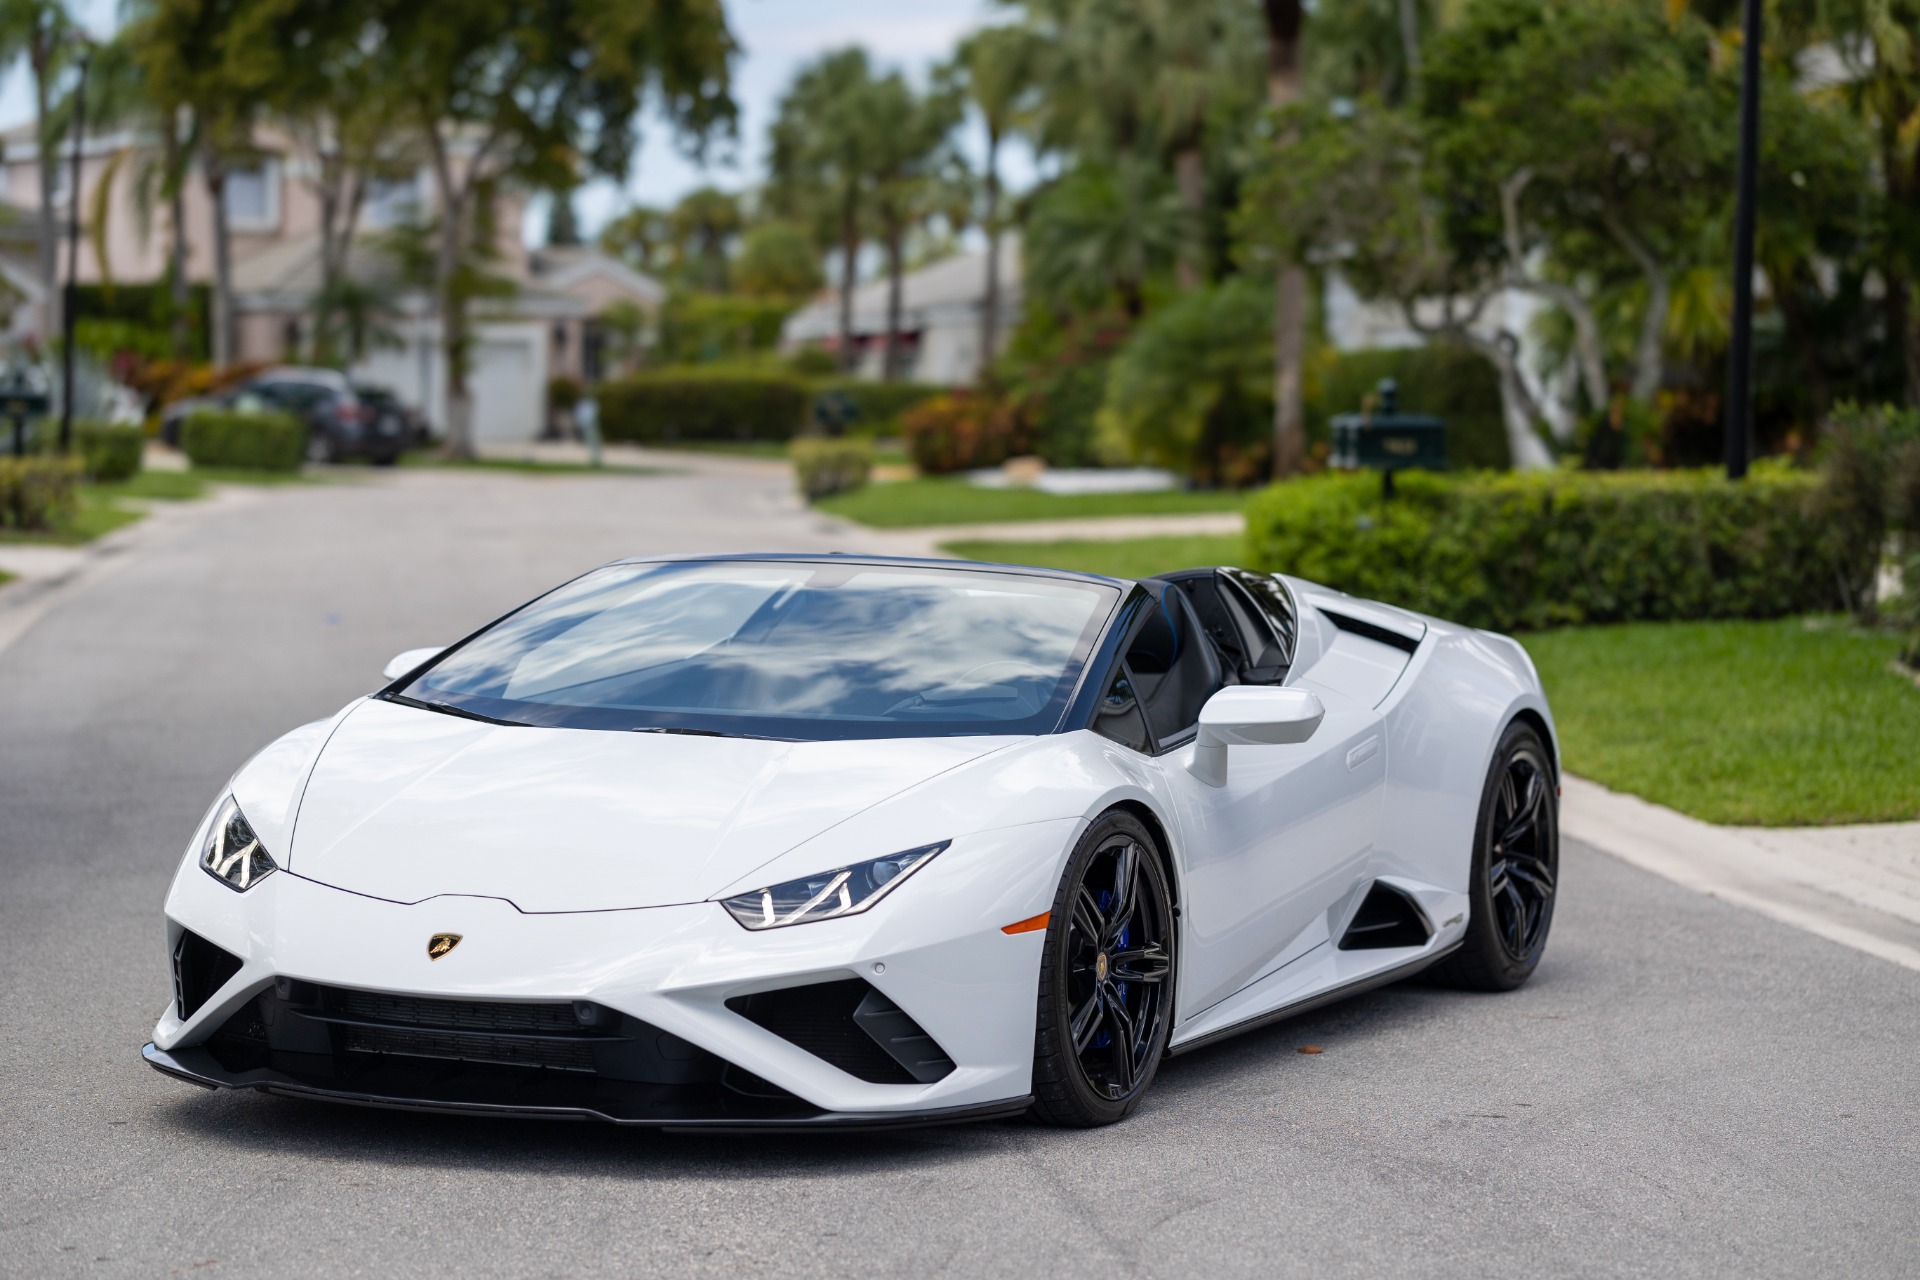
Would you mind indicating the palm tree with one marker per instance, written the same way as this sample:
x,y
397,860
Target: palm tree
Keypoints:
x,y
37,30
820,166
1100,232
1285,22
909,145
703,224
996,66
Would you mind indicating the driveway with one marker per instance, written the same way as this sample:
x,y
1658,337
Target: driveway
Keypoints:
x,y
1686,1087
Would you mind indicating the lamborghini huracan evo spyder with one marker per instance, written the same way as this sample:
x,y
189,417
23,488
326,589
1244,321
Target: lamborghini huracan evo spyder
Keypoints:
x,y
804,841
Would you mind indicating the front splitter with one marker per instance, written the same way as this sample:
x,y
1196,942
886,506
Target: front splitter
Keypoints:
x,y
198,1066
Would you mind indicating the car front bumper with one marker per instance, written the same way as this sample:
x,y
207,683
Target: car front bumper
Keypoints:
x,y
679,975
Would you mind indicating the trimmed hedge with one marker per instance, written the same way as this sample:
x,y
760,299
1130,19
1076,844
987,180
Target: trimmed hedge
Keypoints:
x,y
244,441
877,406
37,491
961,432
1446,381
110,452
1526,550
823,467
697,404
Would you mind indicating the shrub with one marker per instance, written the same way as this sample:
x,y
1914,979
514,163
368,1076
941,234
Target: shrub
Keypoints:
x,y
702,404
961,431
1865,458
564,393
244,441
110,452
1446,381
823,467
1521,551
37,491
1192,390
877,406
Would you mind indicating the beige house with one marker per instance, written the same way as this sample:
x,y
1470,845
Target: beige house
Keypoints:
x,y
547,328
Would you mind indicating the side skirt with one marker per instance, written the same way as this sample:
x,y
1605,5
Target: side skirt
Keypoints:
x,y
1315,1001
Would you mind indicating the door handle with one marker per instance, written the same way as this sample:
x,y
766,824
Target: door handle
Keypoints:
x,y
1363,753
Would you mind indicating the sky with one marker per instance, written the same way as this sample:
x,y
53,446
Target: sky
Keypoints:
x,y
777,37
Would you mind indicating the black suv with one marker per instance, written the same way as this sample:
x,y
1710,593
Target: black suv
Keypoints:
x,y
341,423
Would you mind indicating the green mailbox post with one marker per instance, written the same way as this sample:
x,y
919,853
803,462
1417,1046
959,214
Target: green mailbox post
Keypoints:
x,y
19,401
1386,440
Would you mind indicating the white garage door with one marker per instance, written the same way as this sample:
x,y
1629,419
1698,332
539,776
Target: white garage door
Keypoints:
x,y
506,391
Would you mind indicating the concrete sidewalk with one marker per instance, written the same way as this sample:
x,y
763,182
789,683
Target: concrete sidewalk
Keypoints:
x,y
1855,885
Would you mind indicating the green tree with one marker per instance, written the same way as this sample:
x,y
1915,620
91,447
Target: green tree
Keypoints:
x,y
639,237
917,176
704,224
777,260
543,93
1286,26
820,165
1101,233
38,31
996,68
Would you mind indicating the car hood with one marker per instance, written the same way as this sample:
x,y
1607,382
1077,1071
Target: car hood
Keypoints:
x,y
406,804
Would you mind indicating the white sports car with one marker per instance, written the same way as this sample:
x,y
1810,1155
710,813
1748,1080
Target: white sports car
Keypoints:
x,y
805,841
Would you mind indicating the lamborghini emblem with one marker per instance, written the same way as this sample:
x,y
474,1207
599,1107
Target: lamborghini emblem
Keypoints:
x,y
441,943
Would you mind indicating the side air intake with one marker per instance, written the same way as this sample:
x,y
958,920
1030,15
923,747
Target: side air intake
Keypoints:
x,y
1388,918
199,970
851,1025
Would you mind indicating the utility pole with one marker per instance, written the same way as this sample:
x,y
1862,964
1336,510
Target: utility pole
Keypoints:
x,y
1740,354
67,316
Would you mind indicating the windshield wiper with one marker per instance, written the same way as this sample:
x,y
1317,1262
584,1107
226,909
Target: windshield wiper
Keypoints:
x,y
447,708
710,733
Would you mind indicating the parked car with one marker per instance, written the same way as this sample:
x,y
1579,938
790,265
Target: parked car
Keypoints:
x,y
801,841
341,423
413,423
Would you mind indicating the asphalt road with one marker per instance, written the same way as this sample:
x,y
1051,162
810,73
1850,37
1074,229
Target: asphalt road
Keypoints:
x,y
1684,1088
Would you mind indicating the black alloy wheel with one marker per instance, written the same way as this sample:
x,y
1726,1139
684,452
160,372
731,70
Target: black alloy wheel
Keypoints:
x,y
1516,868
1106,978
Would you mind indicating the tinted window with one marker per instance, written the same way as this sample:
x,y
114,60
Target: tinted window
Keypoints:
x,y
782,649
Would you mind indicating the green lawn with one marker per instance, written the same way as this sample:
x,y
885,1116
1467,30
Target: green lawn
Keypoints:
x,y
1789,723
1120,558
102,508
911,503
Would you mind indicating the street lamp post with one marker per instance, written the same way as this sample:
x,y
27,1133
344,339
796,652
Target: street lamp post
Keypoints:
x,y
71,300
1740,354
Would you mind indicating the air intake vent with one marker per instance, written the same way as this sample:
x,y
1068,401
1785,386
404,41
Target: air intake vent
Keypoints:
x,y
1388,918
199,970
852,1026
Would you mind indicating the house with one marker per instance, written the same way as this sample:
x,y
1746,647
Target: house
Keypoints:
x,y
548,326
940,309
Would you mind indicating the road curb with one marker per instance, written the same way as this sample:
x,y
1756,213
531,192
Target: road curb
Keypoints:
x,y
1855,885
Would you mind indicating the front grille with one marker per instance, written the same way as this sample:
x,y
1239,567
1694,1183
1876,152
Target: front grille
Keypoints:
x,y
413,1050
462,1015
561,1055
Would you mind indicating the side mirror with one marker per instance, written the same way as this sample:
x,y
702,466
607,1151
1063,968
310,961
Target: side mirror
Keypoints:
x,y
1250,715
405,662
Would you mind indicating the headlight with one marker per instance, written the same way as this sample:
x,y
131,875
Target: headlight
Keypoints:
x,y
233,854
842,892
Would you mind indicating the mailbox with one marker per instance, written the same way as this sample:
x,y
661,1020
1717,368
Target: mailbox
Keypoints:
x,y
1386,439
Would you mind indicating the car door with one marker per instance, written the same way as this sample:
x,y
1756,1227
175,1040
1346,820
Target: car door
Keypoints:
x,y
1268,854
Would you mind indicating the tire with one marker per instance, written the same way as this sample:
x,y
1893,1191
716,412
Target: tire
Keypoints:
x,y
1516,869
1112,963
320,447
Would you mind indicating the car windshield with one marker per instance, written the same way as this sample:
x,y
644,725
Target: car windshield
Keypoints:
x,y
782,649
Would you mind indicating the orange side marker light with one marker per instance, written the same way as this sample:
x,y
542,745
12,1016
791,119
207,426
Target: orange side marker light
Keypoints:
x,y
1032,924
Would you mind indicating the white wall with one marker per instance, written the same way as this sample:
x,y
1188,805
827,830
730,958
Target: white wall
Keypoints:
x,y
507,377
